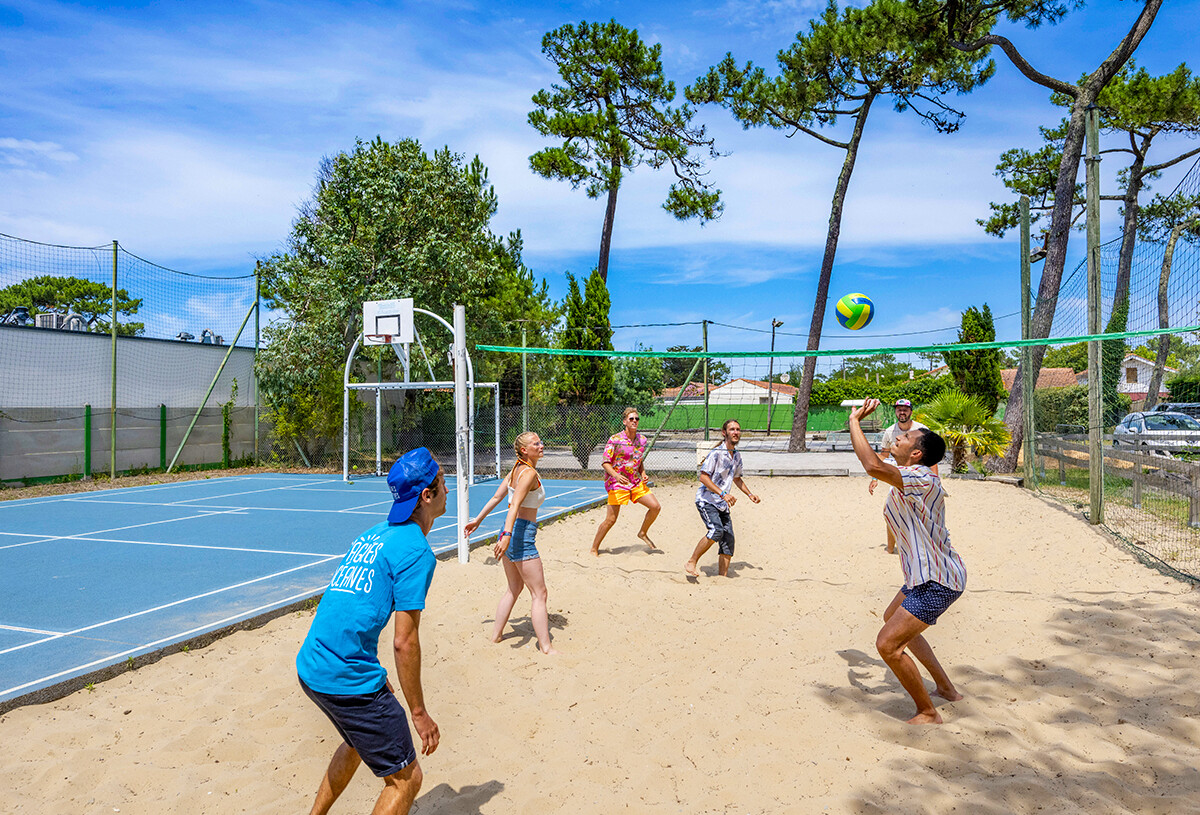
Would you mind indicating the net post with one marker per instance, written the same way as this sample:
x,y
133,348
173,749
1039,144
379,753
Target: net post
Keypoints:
x,y
704,327
461,430
379,428
1095,383
345,412
112,422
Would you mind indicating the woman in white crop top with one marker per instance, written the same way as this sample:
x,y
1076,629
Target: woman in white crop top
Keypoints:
x,y
516,547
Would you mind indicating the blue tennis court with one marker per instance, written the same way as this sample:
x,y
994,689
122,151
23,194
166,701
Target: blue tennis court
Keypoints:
x,y
91,579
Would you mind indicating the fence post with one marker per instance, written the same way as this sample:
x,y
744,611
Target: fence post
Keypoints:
x,y
1137,485
1062,468
87,442
162,437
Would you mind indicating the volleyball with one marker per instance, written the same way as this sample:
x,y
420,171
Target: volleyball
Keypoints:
x,y
854,311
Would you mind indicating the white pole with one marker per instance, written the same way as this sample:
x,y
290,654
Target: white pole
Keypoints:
x,y
461,428
378,431
496,406
471,424
346,411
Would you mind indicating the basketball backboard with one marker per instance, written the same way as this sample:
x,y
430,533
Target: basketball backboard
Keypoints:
x,y
387,321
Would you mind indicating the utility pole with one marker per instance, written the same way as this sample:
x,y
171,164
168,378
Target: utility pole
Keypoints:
x,y
771,372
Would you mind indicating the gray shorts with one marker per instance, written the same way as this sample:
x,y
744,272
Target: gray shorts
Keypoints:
x,y
718,526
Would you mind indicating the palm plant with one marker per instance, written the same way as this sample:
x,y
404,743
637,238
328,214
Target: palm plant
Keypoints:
x,y
964,422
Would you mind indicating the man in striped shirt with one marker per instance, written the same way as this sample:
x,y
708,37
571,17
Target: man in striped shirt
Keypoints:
x,y
934,576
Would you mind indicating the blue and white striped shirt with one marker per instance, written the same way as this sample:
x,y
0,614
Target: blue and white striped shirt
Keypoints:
x,y
916,515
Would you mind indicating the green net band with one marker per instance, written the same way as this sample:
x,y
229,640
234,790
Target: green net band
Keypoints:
x,y
908,349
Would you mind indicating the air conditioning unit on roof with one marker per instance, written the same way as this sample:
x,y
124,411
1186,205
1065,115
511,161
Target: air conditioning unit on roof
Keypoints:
x,y
48,319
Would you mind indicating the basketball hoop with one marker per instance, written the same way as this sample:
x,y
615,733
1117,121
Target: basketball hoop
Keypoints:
x,y
377,339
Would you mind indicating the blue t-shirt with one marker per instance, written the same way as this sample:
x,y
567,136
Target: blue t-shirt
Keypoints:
x,y
388,568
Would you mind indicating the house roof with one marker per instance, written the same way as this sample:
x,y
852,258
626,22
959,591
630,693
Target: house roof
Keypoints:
x,y
692,389
1047,378
777,387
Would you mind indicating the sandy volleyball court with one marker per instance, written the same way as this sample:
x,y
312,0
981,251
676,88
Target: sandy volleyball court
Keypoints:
x,y
757,693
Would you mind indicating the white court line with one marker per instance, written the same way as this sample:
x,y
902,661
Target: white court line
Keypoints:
x,y
168,605
29,630
218,509
172,638
49,538
81,537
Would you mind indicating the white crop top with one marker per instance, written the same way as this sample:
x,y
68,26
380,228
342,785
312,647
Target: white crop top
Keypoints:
x,y
533,499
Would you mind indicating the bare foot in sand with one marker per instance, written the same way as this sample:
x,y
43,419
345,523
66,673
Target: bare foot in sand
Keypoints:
x,y
949,694
646,540
596,552
552,652
690,568
926,718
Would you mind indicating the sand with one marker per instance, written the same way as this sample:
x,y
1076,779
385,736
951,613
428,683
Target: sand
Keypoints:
x,y
761,692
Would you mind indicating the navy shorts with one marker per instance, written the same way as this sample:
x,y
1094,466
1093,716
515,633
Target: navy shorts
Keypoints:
x,y
718,526
928,601
373,724
521,545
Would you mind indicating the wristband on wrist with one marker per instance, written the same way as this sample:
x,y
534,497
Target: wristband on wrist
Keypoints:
x,y
502,534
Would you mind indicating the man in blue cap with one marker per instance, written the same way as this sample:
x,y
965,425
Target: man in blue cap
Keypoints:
x,y
387,570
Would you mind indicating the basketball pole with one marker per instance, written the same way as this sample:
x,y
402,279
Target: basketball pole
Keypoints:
x,y
461,430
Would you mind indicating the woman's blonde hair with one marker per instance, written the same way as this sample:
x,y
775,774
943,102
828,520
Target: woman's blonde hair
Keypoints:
x,y
519,443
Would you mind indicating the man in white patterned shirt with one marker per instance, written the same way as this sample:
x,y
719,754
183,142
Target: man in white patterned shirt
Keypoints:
x,y
934,576
721,470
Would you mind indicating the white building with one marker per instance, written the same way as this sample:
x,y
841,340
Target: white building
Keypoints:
x,y
734,392
1135,377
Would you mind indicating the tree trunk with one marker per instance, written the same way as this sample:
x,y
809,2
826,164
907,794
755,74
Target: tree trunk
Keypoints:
x,y
1047,299
1164,320
610,214
798,439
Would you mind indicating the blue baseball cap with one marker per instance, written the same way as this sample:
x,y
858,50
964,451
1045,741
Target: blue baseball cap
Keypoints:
x,y
413,472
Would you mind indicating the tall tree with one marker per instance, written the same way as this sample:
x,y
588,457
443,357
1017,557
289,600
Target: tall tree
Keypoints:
x,y
1173,218
613,114
1135,108
676,369
832,75
385,220
961,21
73,295
587,385
977,373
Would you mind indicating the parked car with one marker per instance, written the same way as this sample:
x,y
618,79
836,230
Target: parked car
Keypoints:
x,y
1190,408
1158,430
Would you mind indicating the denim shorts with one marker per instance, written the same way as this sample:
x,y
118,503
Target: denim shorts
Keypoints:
x,y
928,601
373,724
718,525
521,545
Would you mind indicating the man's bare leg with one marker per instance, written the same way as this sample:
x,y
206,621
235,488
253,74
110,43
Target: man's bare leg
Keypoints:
x,y
341,769
653,507
896,635
703,546
399,791
609,519
922,650
723,564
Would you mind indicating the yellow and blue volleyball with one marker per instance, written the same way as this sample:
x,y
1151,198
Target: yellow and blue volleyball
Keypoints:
x,y
854,311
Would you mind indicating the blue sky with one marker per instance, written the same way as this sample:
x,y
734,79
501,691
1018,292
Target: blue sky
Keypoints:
x,y
192,136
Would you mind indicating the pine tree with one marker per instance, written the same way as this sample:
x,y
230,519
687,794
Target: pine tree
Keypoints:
x,y
588,382
977,373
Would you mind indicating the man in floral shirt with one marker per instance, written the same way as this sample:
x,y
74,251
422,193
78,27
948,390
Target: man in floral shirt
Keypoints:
x,y
625,478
